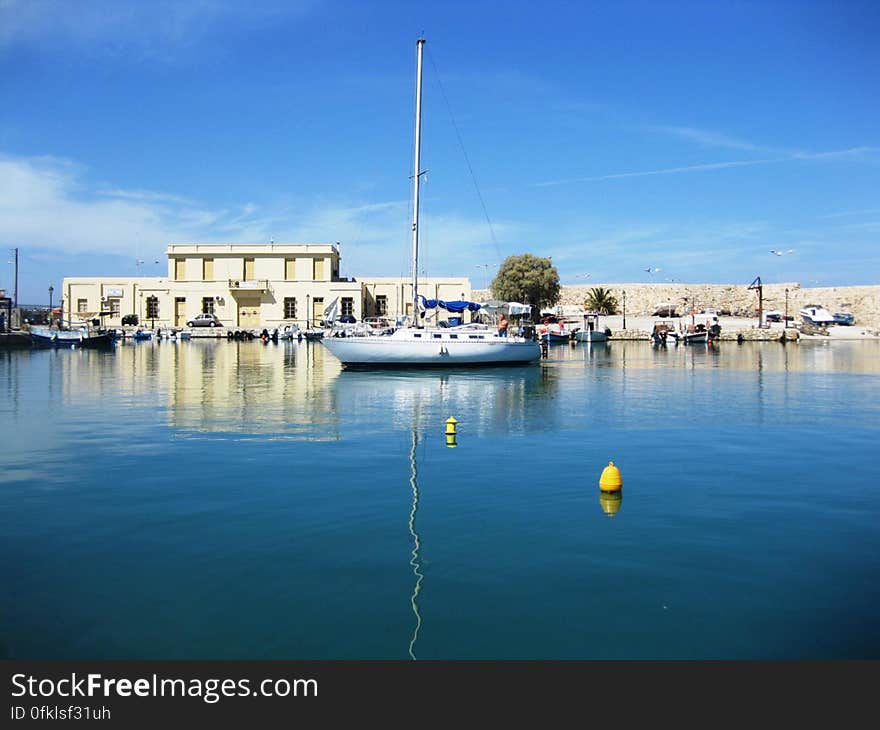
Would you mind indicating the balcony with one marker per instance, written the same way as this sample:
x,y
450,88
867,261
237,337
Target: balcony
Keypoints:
x,y
249,285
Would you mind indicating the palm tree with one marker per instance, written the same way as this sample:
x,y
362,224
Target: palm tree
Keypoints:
x,y
601,300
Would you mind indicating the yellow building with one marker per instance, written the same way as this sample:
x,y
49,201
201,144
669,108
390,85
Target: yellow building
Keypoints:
x,y
249,286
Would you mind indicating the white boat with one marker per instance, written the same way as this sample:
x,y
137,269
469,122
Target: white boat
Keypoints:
x,y
288,332
817,315
416,346
590,332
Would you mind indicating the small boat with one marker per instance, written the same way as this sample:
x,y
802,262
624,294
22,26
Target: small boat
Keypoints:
x,y
700,337
664,309
141,335
663,334
81,338
288,332
817,315
590,331
314,333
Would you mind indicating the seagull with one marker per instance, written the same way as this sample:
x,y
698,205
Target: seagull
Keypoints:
x,y
780,253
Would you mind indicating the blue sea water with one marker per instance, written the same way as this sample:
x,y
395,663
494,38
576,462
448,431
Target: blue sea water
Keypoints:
x,y
236,500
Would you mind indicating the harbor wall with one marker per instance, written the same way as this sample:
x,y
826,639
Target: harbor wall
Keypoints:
x,y
737,299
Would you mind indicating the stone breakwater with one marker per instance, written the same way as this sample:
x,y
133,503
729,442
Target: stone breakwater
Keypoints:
x,y
736,299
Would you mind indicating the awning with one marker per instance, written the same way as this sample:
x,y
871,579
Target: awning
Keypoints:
x,y
455,307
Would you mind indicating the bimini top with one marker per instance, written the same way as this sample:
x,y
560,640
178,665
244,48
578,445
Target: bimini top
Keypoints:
x,y
458,306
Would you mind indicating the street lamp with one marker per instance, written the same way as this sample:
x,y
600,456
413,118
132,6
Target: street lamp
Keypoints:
x,y
624,309
51,289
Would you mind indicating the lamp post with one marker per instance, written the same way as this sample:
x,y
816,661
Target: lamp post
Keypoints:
x,y
51,289
624,309
785,323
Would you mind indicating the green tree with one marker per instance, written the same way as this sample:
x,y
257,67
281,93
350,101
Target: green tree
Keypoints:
x,y
527,279
601,300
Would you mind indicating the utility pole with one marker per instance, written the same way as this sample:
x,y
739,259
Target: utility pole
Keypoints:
x,y
624,309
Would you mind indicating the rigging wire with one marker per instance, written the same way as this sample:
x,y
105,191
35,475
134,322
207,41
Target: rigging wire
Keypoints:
x,y
464,152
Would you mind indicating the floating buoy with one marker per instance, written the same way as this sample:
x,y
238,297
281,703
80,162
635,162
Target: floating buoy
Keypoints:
x,y
450,426
610,481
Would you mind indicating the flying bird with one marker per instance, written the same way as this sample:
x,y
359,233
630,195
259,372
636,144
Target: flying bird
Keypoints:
x,y
779,253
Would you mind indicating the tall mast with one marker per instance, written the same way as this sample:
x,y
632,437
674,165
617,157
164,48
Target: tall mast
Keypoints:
x,y
416,175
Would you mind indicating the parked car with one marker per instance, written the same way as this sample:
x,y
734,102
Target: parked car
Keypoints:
x,y
130,319
844,318
348,319
205,320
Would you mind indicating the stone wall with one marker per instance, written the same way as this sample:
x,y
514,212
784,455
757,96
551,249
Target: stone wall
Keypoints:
x,y
738,299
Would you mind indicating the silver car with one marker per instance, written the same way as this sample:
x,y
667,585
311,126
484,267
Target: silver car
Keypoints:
x,y
205,320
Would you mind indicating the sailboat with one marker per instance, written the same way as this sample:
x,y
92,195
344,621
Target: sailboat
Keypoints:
x,y
418,346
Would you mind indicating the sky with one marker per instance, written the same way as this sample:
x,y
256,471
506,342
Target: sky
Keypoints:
x,y
628,141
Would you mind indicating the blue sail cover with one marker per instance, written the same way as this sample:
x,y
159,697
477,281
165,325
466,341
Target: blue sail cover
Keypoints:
x,y
456,307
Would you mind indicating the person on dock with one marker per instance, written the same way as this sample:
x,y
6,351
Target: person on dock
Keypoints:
x,y
502,326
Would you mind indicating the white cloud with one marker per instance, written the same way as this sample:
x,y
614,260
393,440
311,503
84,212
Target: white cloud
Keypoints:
x,y
152,28
852,153
707,138
664,171
49,204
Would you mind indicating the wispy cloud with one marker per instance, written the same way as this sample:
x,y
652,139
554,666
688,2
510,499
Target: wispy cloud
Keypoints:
x,y
852,153
858,153
152,29
49,204
707,138
847,213
664,171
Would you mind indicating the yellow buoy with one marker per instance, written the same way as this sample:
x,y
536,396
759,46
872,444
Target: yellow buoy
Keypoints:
x,y
450,426
610,502
450,440
610,481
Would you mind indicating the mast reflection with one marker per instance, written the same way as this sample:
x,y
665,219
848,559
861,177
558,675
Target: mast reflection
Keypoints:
x,y
415,559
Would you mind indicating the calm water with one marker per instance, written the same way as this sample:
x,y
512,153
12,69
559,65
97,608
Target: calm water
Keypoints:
x,y
212,500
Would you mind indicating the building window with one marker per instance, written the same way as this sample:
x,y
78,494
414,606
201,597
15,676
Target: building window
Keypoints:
x,y
289,307
82,305
115,307
208,305
179,269
318,269
347,306
290,269
208,270
152,307
381,305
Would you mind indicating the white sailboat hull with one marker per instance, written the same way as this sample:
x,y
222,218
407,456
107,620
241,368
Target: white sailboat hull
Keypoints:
x,y
422,348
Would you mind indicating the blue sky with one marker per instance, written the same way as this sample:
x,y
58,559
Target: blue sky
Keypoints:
x,y
688,138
